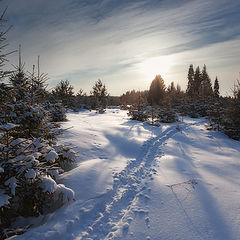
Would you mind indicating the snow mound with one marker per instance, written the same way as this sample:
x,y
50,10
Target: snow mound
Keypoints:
x,y
48,184
66,193
8,126
51,156
31,174
59,190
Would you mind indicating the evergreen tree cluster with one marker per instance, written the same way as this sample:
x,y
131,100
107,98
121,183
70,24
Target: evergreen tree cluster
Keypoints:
x,y
97,99
167,104
63,92
199,84
30,158
225,114
133,98
158,103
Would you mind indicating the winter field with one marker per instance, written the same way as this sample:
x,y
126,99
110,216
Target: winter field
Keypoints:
x,y
134,181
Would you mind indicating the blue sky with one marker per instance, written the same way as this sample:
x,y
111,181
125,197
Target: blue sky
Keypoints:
x,y
126,43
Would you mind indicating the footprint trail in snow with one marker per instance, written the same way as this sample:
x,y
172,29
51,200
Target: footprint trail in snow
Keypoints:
x,y
130,187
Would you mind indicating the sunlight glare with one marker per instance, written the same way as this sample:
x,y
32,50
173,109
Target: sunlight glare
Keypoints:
x,y
157,65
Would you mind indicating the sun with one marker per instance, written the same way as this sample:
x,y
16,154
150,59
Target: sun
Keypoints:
x,y
156,65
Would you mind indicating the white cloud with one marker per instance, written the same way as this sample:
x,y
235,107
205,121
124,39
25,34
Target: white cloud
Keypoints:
x,y
82,41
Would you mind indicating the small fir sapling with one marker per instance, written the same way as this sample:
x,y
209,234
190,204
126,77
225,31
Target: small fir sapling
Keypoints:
x,y
99,96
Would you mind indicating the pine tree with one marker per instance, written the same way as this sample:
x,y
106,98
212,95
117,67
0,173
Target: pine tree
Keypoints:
x,y
233,112
171,88
81,100
190,86
178,89
26,166
23,109
64,92
100,95
216,88
197,82
166,115
216,116
206,85
38,84
20,82
157,91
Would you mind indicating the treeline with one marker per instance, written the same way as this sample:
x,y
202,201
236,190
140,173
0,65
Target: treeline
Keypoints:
x,y
199,87
97,99
201,99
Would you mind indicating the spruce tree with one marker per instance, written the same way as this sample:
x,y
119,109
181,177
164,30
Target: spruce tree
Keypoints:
x,y
190,86
206,85
100,95
64,92
197,82
171,88
157,91
38,84
20,82
233,112
174,95
216,88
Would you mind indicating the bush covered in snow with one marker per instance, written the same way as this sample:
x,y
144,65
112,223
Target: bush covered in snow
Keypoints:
x,y
224,116
24,164
194,109
56,111
155,114
139,115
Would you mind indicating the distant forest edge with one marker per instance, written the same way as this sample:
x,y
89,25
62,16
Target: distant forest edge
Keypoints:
x,y
164,104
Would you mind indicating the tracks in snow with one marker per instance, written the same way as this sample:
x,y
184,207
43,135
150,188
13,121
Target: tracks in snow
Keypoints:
x,y
129,185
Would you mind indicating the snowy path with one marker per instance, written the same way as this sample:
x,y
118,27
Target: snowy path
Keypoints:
x,y
140,182
129,184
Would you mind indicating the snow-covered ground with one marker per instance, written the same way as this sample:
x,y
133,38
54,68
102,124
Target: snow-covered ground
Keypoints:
x,y
136,181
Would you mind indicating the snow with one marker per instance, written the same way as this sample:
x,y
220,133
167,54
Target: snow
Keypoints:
x,y
51,156
59,190
8,126
37,155
70,154
31,160
136,181
67,193
12,183
48,184
17,141
31,174
37,143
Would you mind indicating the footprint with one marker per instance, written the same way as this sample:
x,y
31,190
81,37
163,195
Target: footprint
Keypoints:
x,y
147,221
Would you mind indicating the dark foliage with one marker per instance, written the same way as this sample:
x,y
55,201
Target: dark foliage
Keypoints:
x,y
157,92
